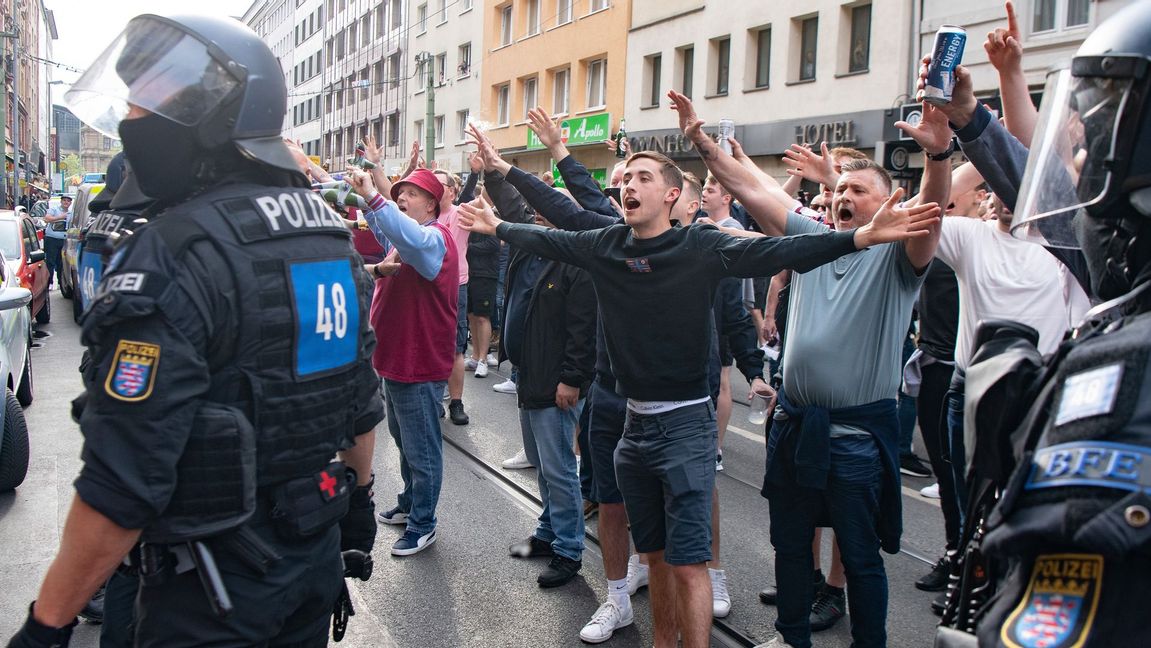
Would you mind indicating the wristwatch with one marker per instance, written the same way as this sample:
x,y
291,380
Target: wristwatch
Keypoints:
x,y
945,155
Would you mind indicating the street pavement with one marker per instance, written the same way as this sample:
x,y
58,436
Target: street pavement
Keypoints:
x,y
464,591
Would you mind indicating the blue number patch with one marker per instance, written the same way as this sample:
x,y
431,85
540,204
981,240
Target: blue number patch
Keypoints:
x,y
327,315
91,271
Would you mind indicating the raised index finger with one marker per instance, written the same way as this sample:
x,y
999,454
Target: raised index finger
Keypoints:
x,y
1012,23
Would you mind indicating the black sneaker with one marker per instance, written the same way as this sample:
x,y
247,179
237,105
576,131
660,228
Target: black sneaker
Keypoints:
x,y
911,466
559,571
456,412
829,607
936,579
939,604
533,547
93,611
770,595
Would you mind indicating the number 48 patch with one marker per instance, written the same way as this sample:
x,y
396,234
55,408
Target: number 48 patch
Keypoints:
x,y
327,315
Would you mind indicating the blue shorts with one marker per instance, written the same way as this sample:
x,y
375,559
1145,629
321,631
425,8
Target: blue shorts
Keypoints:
x,y
665,466
462,320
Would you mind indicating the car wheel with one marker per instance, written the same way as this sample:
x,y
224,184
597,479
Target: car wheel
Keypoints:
x,y
77,308
66,290
45,314
14,447
24,392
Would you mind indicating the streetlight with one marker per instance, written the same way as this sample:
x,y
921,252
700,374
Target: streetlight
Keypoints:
x,y
54,131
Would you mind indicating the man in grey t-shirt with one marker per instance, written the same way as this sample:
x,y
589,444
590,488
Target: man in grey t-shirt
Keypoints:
x,y
832,453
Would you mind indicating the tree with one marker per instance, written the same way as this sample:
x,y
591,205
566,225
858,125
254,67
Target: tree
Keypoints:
x,y
71,165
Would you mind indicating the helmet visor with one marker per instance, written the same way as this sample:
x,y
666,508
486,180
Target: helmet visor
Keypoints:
x,y
155,66
1071,149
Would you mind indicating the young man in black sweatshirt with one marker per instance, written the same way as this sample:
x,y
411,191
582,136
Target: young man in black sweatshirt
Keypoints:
x,y
656,285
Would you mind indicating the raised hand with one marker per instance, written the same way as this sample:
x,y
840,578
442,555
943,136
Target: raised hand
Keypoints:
x,y
487,150
689,121
414,161
298,155
475,162
371,151
477,216
893,223
1003,46
809,165
361,181
545,127
932,132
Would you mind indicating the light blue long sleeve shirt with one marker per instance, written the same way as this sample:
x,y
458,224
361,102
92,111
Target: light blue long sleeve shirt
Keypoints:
x,y
420,246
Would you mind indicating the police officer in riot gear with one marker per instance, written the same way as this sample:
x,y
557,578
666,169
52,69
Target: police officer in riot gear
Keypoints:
x,y
229,361
1063,558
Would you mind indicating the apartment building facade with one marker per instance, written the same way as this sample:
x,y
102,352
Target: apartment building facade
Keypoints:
x,y
446,42
786,71
568,56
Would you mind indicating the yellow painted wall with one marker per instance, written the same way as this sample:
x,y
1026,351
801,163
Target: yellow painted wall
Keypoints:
x,y
588,36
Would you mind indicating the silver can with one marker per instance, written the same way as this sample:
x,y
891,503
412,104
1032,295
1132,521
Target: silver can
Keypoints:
x,y
726,130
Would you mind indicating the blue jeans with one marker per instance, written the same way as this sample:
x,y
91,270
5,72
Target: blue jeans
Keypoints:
x,y
956,452
548,435
414,421
851,503
906,407
53,251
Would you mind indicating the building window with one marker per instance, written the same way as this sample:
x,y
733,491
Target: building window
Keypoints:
x,y
419,134
653,70
392,125
506,25
365,84
503,97
763,58
396,14
465,57
439,130
859,55
462,119
687,78
366,30
443,11
563,12
533,17
394,70
721,48
465,5
597,5
1046,14
421,19
530,96
441,69
560,87
596,83
809,31
378,80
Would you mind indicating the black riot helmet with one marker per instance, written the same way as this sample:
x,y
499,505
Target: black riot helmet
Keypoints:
x,y
1088,177
206,84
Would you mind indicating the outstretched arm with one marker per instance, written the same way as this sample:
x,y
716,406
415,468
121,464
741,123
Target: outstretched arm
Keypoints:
x,y
934,135
771,216
1005,52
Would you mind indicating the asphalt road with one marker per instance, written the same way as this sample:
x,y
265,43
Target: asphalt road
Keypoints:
x,y
465,590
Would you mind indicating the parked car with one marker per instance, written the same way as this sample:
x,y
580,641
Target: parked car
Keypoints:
x,y
77,225
16,372
25,258
93,178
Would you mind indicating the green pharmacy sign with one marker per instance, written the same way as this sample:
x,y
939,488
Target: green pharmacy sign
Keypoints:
x,y
578,131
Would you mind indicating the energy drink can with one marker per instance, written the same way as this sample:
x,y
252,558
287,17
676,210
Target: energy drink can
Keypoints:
x,y
726,130
946,56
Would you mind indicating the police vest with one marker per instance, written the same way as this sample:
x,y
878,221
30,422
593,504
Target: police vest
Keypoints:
x,y
299,365
1072,532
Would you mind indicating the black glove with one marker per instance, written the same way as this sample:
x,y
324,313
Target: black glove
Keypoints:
x,y
358,527
37,635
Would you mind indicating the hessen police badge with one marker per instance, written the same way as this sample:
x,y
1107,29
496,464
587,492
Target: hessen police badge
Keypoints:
x,y
1058,609
133,371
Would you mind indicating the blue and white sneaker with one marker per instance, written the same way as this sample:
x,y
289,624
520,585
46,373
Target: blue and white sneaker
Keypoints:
x,y
412,543
393,516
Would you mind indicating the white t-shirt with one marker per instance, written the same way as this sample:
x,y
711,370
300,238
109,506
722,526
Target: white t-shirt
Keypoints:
x,y
1002,277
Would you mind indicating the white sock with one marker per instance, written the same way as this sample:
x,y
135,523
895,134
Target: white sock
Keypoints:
x,y
617,592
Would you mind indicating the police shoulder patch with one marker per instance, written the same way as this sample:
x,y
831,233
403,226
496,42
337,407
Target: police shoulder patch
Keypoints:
x,y
133,371
1058,608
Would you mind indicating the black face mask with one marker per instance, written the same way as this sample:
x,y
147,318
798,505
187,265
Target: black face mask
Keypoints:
x,y
164,155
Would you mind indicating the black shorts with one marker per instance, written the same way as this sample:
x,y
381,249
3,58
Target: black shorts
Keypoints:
x,y
481,296
605,427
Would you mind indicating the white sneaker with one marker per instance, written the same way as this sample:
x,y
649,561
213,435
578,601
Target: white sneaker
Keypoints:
x,y
481,370
930,492
720,599
517,461
470,364
606,620
493,361
775,642
636,575
506,387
